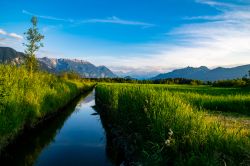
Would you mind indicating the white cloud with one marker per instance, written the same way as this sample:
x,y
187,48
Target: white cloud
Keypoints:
x,y
16,36
222,40
216,4
116,20
12,35
236,15
2,32
111,20
217,40
47,17
10,40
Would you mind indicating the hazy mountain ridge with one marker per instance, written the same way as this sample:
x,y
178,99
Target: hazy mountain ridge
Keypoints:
x,y
205,74
84,68
11,56
140,75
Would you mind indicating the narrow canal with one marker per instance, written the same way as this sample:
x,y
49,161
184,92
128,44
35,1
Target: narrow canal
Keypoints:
x,y
74,137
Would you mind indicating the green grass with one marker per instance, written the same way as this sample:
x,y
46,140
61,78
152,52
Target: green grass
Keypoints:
x,y
180,125
27,98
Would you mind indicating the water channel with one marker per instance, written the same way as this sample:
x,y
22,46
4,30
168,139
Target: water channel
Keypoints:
x,y
74,137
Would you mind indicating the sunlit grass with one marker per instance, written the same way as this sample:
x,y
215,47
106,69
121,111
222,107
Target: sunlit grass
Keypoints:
x,y
26,98
154,111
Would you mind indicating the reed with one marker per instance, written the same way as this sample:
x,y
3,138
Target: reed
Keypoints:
x,y
26,98
173,127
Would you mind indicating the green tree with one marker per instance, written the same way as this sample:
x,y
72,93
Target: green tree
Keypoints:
x,y
33,44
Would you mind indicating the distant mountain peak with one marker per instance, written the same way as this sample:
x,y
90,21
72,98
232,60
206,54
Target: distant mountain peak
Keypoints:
x,y
82,67
205,74
102,66
10,56
195,68
204,68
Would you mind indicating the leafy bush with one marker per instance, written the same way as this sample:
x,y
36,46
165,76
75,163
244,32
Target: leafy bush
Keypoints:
x,y
26,98
231,83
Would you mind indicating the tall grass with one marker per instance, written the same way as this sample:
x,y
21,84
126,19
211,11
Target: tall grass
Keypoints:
x,y
211,98
26,98
168,129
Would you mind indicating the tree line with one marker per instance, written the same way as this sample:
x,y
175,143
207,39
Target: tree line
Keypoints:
x,y
241,82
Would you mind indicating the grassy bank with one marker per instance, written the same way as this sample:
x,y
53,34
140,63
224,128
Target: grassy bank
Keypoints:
x,y
27,98
176,125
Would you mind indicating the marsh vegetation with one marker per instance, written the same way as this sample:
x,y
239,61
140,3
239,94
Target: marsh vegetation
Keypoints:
x,y
28,98
180,124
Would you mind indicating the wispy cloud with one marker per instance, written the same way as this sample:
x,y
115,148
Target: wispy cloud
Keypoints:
x,y
219,40
2,32
10,40
47,17
116,20
16,36
12,35
229,11
229,16
110,20
216,4
225,6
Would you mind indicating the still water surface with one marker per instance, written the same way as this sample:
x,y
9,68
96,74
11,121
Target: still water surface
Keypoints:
x,y
74,137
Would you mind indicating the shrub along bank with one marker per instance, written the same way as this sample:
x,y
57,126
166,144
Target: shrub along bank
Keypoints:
x,y
27,98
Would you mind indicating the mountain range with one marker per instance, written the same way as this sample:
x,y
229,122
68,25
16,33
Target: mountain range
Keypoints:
x,y
206,74
87,69
137,74
53,65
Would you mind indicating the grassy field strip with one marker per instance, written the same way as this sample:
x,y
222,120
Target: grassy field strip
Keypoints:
x,y
231,103
231,122
26,98
171,129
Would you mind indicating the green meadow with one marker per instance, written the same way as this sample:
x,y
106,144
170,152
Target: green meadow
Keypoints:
x,y
27,98
179,124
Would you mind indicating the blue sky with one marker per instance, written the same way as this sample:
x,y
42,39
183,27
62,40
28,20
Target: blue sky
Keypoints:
x,y
135,35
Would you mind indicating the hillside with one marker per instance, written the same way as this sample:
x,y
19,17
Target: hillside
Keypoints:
x,y
205,74
84,68
11,56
